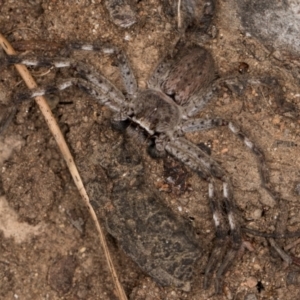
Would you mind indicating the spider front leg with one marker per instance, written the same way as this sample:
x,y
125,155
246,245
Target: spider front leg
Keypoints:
x,y
121,61
104,98
208,169
91,82
84,70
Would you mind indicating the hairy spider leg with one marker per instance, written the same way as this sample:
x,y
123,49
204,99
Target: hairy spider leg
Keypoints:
x,y
121,60
93,83
208,169
200,124
206,124
197,102
262,167
220,248
235,233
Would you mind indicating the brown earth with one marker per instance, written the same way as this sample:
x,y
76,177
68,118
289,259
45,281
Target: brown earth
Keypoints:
x,y
49,247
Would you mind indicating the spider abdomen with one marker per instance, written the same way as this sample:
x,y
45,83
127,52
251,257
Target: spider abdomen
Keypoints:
x,y
191,73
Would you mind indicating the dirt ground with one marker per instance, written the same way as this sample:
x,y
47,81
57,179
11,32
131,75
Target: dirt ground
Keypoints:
x,y
49,246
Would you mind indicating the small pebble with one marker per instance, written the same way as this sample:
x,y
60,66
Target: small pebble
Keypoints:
x,y
251,282
82,250
227,293
257,267
276,120
257,213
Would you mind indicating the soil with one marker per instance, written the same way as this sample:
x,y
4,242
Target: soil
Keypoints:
x,y
49,246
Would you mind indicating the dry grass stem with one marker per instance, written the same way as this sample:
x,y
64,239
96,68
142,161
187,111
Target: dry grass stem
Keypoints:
x,y
179,20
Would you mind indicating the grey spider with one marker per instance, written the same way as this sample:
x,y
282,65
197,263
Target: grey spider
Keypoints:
x,y
179,88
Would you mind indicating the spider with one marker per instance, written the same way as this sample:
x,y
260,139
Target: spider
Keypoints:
x,y
178,89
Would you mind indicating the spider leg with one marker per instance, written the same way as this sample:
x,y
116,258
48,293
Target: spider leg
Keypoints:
x,y
91,89
121,60
236,237
160,74
36,61
195,158
99,47
6,116
219,249
127,73
99,87
219,253
198,102
208,169
201,124
93,76
206,124
129,80
263,169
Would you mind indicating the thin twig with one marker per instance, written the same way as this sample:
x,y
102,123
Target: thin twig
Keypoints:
x,y
284,256
179,20
55,130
